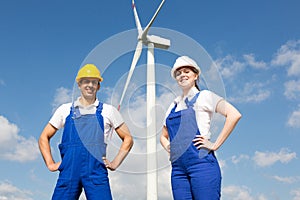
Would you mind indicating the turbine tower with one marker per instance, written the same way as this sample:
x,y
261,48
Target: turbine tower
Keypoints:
x,y
151,41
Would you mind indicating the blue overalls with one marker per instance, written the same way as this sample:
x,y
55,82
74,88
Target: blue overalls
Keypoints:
x,y
193,177
82,149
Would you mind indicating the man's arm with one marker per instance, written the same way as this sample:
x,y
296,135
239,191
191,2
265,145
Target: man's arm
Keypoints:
x,y
44,145
127,142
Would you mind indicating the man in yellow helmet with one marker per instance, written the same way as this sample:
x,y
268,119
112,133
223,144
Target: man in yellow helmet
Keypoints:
x,y
87,125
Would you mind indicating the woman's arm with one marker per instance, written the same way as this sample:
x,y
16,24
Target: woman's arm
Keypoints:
x,y
232,116
164,139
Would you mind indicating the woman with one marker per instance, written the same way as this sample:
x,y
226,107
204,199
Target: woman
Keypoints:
x,y
186,135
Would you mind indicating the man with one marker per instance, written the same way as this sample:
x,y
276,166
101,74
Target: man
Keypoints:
x,y
87,124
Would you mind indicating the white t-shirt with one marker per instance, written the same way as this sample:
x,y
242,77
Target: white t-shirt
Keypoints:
x,y
204,107
112,118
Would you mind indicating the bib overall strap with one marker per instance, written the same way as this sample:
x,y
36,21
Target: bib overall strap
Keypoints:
x,y
99,115
192,101
75,113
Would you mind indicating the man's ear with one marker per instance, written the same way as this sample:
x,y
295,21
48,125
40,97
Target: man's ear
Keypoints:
x,y
79,83
98,87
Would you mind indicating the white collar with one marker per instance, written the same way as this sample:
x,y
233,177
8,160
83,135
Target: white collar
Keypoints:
x,y
192,92
78,104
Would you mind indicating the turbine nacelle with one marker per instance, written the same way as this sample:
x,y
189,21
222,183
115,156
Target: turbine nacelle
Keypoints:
x,y
158,42
144,39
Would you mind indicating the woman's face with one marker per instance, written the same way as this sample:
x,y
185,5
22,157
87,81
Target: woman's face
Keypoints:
x,y
185,77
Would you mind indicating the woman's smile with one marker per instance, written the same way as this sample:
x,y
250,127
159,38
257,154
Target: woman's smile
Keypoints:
x,y
185,77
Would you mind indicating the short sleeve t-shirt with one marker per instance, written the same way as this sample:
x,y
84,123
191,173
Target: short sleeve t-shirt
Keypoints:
x,y
204,107
112,118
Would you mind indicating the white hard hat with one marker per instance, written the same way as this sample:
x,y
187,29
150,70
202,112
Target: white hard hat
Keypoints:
x,y
184,61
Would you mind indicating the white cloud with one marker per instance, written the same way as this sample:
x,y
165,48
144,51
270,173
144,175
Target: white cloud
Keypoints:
x,y
129,186
25,150
230,66
62,95
294,119
9,191
251,92
124,187
8,131
244,91
251,61
222,163
264,159
292,89
288,180
237,159
296,194
164,183
15,147
289,55
233,192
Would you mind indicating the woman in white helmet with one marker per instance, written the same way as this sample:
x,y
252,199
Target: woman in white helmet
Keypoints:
x,y
186,135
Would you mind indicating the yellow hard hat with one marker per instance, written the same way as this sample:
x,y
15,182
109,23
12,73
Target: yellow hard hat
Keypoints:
x,y
89,71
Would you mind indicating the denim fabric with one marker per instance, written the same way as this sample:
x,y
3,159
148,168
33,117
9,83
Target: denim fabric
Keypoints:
x,y
193,177
82,149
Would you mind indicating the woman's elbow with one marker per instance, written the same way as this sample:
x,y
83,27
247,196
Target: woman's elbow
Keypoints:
x,y
238,116
130,141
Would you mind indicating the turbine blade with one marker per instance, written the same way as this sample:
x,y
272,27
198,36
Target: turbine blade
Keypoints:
x,y
145,32
135,59
137,20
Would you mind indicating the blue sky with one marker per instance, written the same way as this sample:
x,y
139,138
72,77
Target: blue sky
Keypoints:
x,y
255,46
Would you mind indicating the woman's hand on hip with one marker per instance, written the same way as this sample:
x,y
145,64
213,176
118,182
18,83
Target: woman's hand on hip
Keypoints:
x,y
203,142
109,165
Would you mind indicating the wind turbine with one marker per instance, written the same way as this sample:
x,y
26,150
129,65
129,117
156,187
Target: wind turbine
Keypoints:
x,y
151,41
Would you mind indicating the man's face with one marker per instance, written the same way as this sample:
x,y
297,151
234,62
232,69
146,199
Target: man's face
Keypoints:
x,y
89,87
